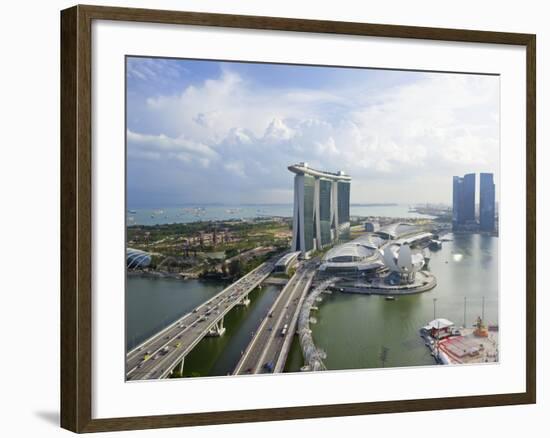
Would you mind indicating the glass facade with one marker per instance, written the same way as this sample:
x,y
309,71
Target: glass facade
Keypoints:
x,y
458,201
343,209
486,202
136,259
321,208
469,197
464,200
325,189
343,202
309,212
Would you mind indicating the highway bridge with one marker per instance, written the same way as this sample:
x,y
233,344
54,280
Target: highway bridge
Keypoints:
x,y
268,349
156,357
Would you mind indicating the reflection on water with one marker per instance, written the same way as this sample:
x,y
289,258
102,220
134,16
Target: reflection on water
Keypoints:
x,y
354,330
154,303
219,356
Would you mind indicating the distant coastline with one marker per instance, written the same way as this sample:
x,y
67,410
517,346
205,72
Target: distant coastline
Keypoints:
x,y
218,212
274,204
376,204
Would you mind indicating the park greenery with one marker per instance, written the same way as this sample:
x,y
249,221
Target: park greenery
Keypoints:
x,y
190,248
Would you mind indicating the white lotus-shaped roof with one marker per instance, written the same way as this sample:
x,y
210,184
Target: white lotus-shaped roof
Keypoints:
x,y
400,258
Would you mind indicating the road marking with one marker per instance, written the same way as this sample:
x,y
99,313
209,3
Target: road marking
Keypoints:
x,y
292,326
273,332
202,333
136,349
264,322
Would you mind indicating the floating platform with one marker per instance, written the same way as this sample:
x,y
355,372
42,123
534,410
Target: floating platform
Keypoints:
x,y
466,348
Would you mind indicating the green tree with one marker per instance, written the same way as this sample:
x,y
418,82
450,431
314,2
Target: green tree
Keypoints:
x,y
235,268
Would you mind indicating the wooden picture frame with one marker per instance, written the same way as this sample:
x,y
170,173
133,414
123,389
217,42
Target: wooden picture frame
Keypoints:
x,y
76,217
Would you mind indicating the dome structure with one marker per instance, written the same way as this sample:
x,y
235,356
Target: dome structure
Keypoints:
x,y
137,259
357,256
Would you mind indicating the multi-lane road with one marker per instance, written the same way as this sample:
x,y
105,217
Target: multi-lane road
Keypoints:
x,y
268,349
157,356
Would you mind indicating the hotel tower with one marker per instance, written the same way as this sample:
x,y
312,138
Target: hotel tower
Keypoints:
x,y
321,208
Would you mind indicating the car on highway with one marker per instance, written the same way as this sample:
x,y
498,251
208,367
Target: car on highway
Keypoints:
x,y
268,366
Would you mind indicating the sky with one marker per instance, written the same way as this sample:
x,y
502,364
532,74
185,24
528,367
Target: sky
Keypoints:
x,y
225,132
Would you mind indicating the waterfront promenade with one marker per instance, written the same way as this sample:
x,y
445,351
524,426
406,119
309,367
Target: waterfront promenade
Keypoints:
x,y
424,281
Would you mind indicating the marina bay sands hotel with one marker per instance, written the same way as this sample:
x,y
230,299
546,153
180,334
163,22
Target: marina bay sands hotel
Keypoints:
x,y
321,208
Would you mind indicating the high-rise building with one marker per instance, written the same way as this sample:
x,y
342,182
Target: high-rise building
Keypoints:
x,y
321,207
469,194
464,200
486,202
458,201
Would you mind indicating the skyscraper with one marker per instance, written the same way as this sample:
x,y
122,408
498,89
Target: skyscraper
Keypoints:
x,y
458,202
321,207
469,198
464,200
486,202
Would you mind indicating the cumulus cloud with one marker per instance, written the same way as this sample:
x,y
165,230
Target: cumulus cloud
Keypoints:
x,y
162,144
246,134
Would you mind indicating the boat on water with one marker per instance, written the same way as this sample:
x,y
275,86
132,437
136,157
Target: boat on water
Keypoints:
x,y
390,298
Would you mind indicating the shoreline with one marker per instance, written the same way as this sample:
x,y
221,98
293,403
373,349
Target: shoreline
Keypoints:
x,y
366,289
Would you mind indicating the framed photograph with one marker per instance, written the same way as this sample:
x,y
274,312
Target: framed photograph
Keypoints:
x,y
269,218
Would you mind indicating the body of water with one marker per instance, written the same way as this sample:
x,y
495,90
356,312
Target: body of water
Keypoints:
x,y
352,329
152,304
225,212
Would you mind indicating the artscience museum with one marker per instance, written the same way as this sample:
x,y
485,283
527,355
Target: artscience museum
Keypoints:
x,y
390,259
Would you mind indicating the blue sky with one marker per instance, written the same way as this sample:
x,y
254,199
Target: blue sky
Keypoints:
x,y
225,132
